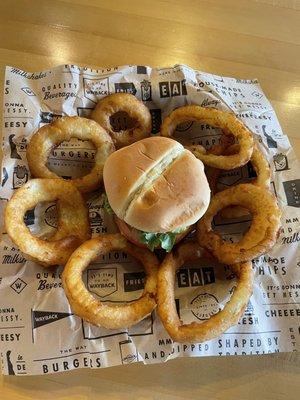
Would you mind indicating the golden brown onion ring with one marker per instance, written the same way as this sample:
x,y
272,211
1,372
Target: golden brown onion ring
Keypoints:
x,y
262,233
86,306
123,102
262,169
73,223
218,323
50,136
229,124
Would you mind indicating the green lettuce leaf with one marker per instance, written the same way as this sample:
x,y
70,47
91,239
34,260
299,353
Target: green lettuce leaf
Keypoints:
x,y
153,240
106,206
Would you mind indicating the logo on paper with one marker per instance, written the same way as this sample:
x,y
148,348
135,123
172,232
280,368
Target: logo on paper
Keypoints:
x,y
18,285
280,162
204,306
28,91
95,218
156,120
272,144
256,94
20,176
172,89
10,366
51,216
48,117
191,277
95,88
141,69
41,318
103,281
292,192
184,126
13,148
249,309
128,352
125,87
134,281
146,91
4,176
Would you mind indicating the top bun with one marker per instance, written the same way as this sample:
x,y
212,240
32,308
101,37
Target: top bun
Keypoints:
x,y
156,185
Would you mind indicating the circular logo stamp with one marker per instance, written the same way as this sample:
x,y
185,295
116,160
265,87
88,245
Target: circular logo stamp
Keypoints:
x,y
204,306
51,216
184,126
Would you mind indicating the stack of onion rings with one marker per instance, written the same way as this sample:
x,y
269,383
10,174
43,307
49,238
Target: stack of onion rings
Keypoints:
x,y
228,122
110,105
218,323
262,233
50,136
85,305
73,224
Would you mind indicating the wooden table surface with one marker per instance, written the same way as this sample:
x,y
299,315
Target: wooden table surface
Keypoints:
x,y
241,38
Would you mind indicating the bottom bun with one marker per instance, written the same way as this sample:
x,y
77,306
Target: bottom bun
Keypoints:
x,y
133,235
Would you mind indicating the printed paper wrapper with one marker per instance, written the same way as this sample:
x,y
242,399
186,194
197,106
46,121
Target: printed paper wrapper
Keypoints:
x,y
39,334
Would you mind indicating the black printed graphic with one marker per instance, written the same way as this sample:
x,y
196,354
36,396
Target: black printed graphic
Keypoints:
x,y
134,281
251,171
29,217
280,162
95,218
9,363
141,69
121,121
204,306
4,176
272,144
256,94
20,176
13,148
146,91
128,352
292,192
125,87
177,304
28,91
249,309
218,78
156,120
41,318
48,117
84,112
143,328
102,282
187,277
172,89
18,285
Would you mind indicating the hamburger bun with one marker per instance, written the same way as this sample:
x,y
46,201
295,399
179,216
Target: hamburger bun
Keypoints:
x,y
156,185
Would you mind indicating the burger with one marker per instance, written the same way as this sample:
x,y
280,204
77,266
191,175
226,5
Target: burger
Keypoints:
x,y
157,190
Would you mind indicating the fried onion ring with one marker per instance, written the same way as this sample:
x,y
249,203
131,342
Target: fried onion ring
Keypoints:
x,y
218,323
136,110
262,233
50,136
73,223
86,306
229,124
262,169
